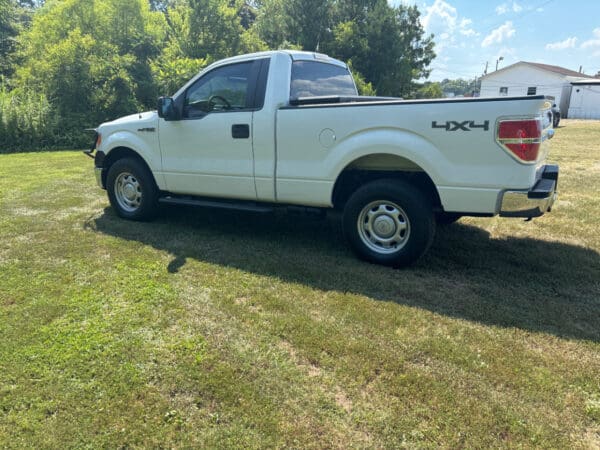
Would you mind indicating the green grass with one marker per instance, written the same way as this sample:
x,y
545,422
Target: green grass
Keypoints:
x,y
218,329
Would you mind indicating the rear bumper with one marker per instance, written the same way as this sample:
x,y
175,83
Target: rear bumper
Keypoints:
x,y
534,202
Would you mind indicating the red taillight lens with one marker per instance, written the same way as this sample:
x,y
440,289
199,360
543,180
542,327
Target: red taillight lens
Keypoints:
x,y
522,138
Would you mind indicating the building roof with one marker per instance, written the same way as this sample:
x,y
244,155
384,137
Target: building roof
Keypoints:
x,y
559,70
547,67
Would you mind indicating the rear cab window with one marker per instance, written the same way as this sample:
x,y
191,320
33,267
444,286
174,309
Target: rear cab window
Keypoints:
x,y
319,79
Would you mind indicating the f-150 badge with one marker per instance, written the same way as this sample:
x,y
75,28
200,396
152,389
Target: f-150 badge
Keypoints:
x,y
467,125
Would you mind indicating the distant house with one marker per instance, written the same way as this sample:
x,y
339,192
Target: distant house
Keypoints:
x,y
527,78
585,99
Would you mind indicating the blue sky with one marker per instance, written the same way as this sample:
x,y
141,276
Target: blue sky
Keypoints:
x,y
469,33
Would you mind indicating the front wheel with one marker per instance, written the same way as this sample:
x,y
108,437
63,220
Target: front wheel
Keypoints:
x,y
389,222
131,190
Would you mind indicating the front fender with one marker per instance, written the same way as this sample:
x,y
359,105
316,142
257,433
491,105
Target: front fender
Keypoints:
x,y
145,147
130,140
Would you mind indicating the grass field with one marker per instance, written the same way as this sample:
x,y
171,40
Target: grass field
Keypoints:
x,y
213,329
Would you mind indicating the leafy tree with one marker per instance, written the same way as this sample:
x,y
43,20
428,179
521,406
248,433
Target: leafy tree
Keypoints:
x,y
209,29
353,10
308,21
160,5
8,33
26,122
430,90
31,3
172,70
247,14
76,48
200,32
138,34
460,86
91,59
349,42
364,87
391,50
271,23
386,45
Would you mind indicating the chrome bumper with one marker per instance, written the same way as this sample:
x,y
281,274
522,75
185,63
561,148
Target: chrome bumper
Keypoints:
x,y
98,172
535,202
517,204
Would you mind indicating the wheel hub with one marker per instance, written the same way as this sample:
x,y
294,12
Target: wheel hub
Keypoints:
x,y
384,226
130,192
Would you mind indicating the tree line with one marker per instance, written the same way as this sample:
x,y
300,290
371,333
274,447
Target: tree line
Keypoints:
x,y
67,65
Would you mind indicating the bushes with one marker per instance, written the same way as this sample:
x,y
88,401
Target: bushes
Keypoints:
x,y
26,122
80,63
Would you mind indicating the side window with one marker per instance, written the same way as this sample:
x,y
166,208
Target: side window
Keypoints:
x,y
531,90
315,79
222,89
503,91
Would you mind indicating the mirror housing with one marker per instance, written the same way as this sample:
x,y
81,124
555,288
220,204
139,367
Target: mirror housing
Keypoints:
x,y
166,109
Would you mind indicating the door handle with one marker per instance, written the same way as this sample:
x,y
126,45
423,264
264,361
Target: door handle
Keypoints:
x,y
240,131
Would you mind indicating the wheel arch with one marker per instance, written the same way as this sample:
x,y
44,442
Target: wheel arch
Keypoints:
x,y
119,153
373,167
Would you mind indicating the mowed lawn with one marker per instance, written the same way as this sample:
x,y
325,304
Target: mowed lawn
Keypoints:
x,y
217,329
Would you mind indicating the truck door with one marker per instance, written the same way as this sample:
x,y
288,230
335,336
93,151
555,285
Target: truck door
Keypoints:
x,y
209,151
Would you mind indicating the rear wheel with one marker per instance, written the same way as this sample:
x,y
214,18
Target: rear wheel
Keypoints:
x,y
389,222
131,190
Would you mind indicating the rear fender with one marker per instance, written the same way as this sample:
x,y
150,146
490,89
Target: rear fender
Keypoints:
x,y
419,153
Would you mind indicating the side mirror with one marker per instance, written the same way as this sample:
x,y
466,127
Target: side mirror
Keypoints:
x,y
166,108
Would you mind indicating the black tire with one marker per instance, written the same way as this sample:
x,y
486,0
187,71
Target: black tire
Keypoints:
x,y
131,189
445,218
389,222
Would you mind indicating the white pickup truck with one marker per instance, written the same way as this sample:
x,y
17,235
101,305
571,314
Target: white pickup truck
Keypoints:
x,y
287,128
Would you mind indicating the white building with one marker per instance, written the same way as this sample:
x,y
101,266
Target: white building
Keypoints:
x,y
585,99
527,78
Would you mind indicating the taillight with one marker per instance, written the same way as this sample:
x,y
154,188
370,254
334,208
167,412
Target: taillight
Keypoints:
x,y
522,138
98,140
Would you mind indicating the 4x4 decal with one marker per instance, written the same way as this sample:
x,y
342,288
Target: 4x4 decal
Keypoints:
x,y
467,125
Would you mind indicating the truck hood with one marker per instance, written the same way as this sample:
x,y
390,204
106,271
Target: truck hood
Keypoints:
x,y
148,119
